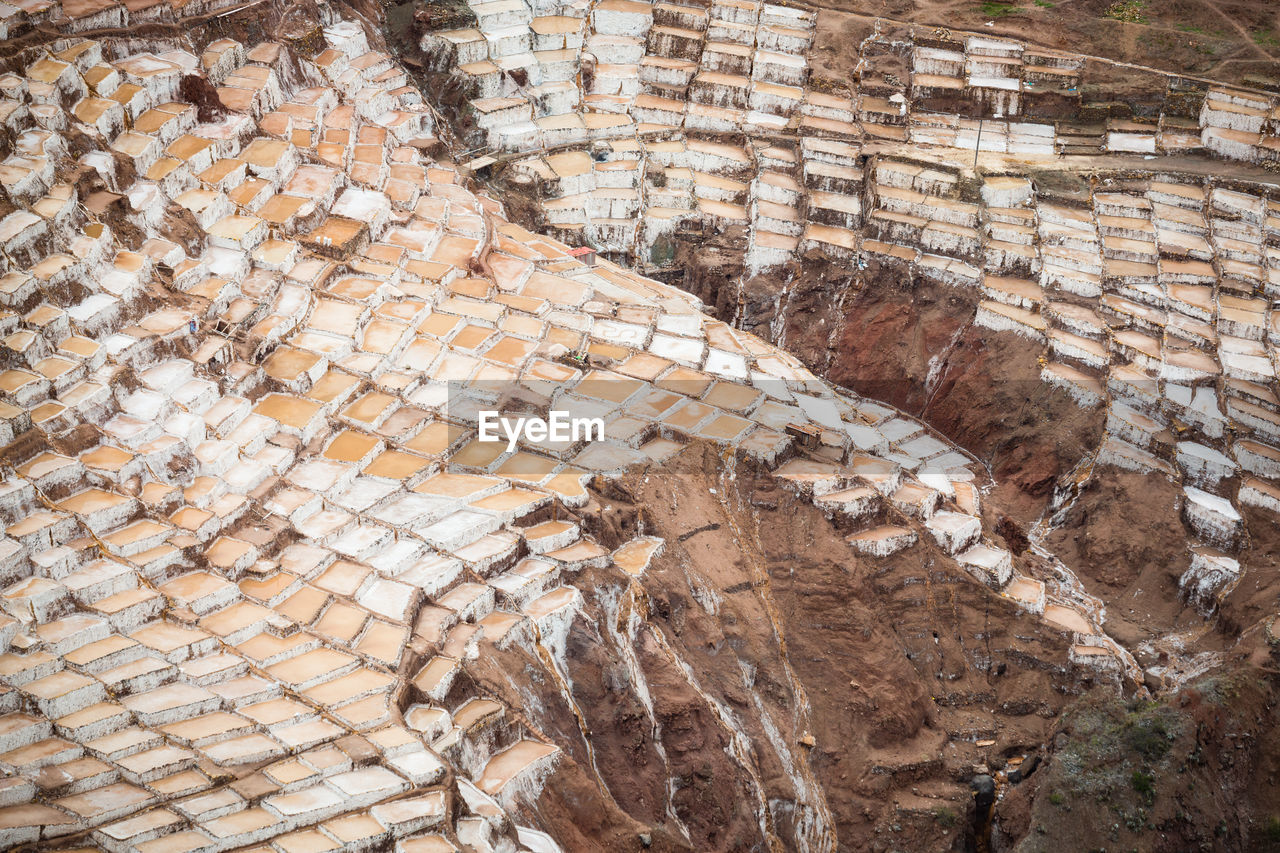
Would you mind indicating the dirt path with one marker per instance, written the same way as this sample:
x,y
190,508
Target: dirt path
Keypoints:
x,y
1245,35
1216,69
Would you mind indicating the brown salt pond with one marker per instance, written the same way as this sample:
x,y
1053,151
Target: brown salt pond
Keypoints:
x,y
1066,617
634,557
506,765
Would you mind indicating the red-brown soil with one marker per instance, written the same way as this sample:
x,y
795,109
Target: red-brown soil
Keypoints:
x,y
757,617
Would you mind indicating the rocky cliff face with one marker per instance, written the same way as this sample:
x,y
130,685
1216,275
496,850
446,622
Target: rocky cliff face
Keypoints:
x,y
758,687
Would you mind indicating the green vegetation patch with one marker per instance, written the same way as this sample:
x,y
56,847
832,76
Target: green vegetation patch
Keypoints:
x,y
998,8
1127,12
1118,746
1143,783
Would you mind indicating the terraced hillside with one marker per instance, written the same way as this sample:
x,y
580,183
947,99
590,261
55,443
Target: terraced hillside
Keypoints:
x,y
267,584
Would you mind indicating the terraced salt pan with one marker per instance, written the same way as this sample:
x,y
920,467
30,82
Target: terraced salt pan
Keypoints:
x,y
635,556
381,522
1068,618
